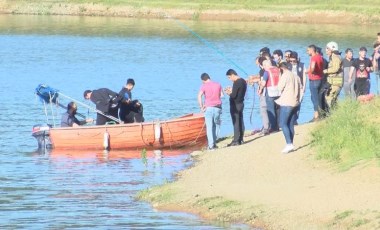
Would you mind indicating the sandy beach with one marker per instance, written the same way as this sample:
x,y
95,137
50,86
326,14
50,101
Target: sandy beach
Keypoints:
x,y
256,184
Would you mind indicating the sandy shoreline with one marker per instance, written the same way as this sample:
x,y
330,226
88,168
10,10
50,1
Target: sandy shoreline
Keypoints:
x,y
255,184
260,15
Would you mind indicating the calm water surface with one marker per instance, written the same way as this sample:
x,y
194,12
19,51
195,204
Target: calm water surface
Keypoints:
x,y
51,190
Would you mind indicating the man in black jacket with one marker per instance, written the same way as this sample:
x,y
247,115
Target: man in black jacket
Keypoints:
x,y
130,110
104,100
236,93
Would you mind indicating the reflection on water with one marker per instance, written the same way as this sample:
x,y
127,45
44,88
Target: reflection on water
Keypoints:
x,y
66,190
58,190
169,28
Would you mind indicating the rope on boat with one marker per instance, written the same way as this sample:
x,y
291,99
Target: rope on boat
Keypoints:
x,y
196,139
142,135
171,135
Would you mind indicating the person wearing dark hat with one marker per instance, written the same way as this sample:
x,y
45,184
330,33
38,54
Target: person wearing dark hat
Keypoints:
x,y
130,111
363,68
68,118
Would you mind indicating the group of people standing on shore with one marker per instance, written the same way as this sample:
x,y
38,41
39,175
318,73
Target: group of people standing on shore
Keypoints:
x,y
282,85
110,107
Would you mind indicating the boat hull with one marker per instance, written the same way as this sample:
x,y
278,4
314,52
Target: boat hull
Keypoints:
x,y
189,130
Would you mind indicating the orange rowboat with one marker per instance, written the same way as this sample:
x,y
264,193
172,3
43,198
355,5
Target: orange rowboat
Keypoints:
x,y
185,131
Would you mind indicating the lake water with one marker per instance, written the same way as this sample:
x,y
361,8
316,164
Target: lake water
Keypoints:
x,y
71,54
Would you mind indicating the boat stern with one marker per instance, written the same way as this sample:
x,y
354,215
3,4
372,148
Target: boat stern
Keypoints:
x,y
42,135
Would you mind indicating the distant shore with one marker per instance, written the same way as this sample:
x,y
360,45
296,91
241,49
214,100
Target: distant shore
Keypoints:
x,y
287,13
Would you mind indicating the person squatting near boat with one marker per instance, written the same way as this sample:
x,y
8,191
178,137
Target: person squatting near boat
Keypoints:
x,y
326,78
68,118
211,106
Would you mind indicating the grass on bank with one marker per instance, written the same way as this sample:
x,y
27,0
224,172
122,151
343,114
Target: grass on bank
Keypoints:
x,y
350,135
354,6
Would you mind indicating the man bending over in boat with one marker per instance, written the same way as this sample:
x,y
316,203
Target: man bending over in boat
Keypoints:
x,y
69,119
104,100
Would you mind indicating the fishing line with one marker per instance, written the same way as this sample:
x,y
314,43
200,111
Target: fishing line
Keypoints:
x,y
206,42
214,48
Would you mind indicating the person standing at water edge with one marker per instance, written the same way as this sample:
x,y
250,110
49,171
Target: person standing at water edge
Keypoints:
x,y
270,81
348,69
290,88
298,68
69,120
315,78
363,68
212,107
236,93
102,98
334,75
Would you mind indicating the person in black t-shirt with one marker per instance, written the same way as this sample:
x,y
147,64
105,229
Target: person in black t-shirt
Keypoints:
x,y
363,68
236,93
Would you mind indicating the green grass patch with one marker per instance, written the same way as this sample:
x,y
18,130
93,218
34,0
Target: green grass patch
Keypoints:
x,y
350,135
343,215
159,194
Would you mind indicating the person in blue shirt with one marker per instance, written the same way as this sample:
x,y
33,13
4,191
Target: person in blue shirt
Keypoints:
x,y
130,111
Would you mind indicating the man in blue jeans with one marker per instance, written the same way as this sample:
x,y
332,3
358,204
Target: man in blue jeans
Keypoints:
x,y
212,107
315,74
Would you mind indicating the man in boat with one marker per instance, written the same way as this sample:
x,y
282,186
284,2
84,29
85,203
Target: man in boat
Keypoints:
x,y
236,93
105,101
69,120
130,111
212,107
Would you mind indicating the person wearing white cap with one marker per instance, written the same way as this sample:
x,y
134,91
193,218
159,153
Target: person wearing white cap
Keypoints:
x,y
334,75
